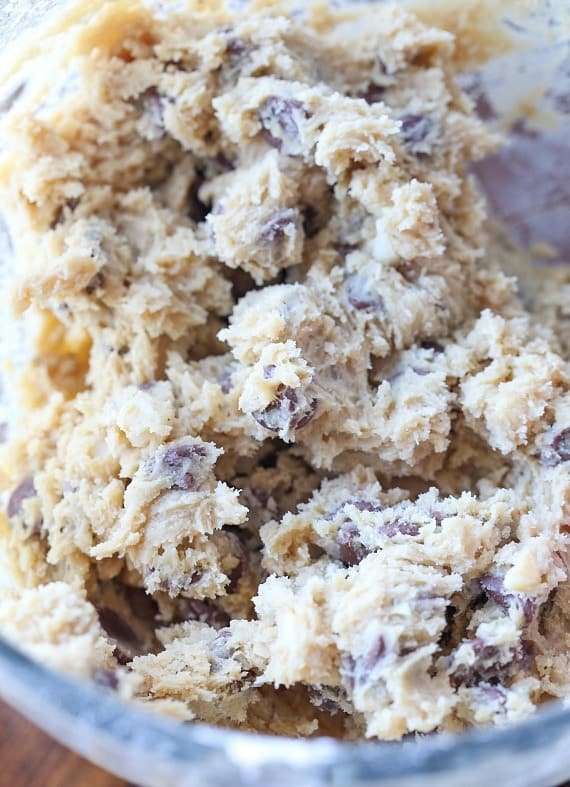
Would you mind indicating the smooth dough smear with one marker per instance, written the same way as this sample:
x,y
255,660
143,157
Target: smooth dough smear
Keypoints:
x,y
291,454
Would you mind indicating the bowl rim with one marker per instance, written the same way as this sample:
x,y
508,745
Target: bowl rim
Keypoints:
x,y
32,689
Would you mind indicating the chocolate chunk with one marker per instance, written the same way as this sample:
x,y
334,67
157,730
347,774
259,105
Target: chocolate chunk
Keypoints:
x,y
280,112
361,296
286,412
23,491
268,371
351,550
202,611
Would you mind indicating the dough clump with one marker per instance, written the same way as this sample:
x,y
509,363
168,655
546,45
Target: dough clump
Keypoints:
x,y
291,455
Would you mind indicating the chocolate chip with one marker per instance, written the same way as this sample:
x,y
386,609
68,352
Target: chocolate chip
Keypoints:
x,y
70,205
23,491
494,588
356,671
373,93
280,112
400,527
202,611
360,505
119,630
221,163
491,666
366,663
351,550
493,694
415,131
432,345
561,445
282,224
95,284
327,698
360,296
344,249
236,48
315,551
183,464
106,678
446,636
286,412
197,210
366,505
311,221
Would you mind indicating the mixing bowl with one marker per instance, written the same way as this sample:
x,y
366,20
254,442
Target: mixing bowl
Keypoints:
x,y
526,91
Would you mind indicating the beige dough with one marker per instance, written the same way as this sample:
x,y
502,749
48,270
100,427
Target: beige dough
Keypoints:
x,y
292,455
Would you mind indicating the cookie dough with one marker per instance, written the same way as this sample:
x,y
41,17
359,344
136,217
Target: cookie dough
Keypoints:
x,y
291,453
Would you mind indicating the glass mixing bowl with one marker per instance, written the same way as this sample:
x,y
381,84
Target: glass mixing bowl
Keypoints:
x,y
529,188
